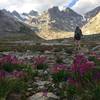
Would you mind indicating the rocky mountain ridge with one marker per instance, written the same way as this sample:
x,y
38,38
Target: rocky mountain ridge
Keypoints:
x,y
65,20
92,13
12,27
8,23
93,26
51,21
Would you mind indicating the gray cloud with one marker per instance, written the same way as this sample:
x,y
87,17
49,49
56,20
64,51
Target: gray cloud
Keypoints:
x,y
27,5
82,6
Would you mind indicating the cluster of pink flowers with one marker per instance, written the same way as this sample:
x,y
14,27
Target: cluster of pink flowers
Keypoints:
x,y
45,93
14,74
39,60
96,76
72,81
10,59
93,53
97,56
59,67
82,64
2,74
18,74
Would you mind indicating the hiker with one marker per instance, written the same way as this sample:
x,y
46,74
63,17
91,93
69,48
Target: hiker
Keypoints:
x,y
77,37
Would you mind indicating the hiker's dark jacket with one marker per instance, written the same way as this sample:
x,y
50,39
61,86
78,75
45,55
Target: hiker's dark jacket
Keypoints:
x,y
78,34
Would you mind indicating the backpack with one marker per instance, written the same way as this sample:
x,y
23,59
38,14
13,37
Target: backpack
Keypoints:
x,y
78,33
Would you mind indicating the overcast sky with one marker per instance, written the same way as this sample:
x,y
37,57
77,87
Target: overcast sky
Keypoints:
x,y
81,6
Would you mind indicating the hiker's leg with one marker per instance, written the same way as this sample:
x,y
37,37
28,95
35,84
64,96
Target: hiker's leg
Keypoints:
x,y
76,45
79,44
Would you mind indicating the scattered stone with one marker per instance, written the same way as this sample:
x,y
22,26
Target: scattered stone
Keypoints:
x,y
42,83
29,89
40,96
96,48
27,94
14,96
47,52
84,50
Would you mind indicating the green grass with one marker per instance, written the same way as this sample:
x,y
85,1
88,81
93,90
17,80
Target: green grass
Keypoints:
x,y
37,47
8,43
17,37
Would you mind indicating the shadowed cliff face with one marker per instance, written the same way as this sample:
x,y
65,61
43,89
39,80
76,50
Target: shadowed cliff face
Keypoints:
x,y
33,13
56,20
65,20
53,23
10,27
8,23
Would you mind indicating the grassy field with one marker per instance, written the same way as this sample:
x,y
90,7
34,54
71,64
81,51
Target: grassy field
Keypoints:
x,y
19,37
10,43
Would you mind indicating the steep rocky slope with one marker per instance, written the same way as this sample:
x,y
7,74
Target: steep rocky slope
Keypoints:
x,y
10,26
8,23
57,20
93,26
92,13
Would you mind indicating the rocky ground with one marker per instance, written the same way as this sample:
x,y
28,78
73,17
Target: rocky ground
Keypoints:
x,y
43,81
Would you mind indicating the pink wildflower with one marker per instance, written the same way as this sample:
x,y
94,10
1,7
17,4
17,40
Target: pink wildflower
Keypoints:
x,y
82,65
58,68
93,53
45,93
39,60
2,74
71,81
18,74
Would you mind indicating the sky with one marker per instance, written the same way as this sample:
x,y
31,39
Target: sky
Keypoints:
x,y
80,6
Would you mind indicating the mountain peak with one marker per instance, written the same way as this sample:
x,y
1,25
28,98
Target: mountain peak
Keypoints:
x,y
58,20
54,9
5,12
92,13
33,13
93,26
15,13
54,12
69,12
